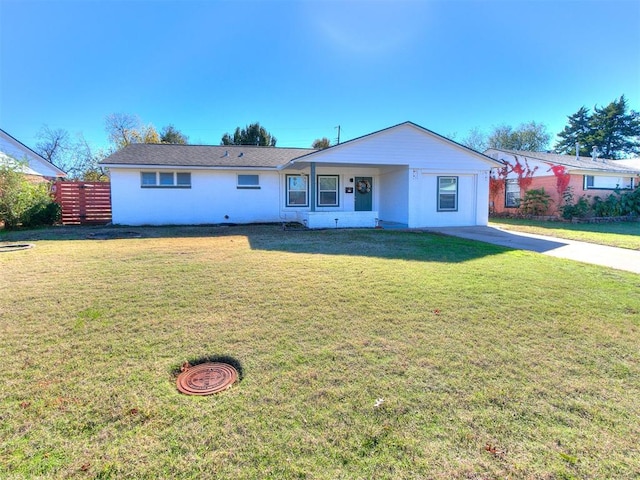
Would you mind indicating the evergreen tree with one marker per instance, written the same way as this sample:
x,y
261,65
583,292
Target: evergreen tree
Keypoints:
x,y
578,130
253,134
321,143
615,131
171,134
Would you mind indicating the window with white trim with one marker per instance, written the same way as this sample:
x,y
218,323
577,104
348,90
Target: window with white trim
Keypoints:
x,y
248,181
512,193
601,182
297,191
165,179
447,194
328,190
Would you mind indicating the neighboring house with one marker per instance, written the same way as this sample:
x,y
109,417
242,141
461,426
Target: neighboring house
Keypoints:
x,y
632,163
35,167
405,174
588,176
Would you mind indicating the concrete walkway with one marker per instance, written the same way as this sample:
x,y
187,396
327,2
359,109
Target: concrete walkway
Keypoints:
x,y
619,258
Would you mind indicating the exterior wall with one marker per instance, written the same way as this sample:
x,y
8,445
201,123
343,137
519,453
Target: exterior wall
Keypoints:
x,y
549,183
213,198
405,145
394,196
346,201
424,202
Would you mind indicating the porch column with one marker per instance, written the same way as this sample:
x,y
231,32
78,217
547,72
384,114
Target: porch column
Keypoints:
x,y
312,187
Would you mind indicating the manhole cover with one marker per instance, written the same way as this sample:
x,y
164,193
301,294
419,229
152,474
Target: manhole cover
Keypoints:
x,y
206,378
15,246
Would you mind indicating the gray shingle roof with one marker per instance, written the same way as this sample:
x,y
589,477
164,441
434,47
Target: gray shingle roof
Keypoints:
x,y
169,155
582,163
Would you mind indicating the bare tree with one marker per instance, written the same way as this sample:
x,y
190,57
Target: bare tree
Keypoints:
x,y
476,140
53,145
123,129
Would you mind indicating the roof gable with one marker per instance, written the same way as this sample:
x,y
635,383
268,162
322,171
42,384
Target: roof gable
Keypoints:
x,y
403,144
37,165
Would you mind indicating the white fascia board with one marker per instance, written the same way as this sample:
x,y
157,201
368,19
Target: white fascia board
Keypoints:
x,y
603,173
181,167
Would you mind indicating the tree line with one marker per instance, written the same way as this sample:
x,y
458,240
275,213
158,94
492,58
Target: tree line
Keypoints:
x,y
613,130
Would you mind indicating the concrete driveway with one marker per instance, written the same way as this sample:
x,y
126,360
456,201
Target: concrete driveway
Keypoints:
x,y
619,258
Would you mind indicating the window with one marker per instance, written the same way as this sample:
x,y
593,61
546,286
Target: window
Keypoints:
x,y
248,181
297,191
447,194
165,179
148,179
512,193
607,183
328,191
183,179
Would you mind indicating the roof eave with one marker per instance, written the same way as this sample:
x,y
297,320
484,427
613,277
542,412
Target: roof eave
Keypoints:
x,y
186,167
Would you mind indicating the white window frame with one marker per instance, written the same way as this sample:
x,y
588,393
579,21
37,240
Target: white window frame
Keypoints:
x,y
607,182
335,190
242,181
161,179
288,190
515,188
442,192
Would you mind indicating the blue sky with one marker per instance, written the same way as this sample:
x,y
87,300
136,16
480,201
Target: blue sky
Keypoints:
x,y
302,68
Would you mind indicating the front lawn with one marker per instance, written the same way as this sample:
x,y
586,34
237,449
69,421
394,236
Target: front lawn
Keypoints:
x,y
620,234
363,354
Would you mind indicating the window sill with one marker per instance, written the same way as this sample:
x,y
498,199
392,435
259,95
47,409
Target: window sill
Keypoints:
x,y
612,189
248,188
165,186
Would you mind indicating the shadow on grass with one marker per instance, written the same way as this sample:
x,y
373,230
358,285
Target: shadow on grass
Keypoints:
x,y
414,245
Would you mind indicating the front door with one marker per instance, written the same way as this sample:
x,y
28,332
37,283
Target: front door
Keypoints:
x,y
364,196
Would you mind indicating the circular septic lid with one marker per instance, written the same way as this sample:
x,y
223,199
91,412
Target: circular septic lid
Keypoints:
x,y
15,246
206,378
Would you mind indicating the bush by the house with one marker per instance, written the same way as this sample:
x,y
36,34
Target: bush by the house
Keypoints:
x,y
23,202
570,208
615,204
535,202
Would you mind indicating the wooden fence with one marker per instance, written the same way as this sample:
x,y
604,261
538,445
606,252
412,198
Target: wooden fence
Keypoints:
x,y
84,203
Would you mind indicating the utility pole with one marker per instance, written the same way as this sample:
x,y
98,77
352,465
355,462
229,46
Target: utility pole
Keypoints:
x,y
338,141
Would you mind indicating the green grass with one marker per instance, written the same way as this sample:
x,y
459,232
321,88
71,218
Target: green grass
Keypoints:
x,y
620,234
491,363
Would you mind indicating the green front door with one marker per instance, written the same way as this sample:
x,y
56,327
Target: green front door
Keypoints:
x,y
364,195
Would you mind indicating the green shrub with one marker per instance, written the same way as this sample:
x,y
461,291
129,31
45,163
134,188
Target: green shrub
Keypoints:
x,y
535,202
42,213
630,202
609,206
569,209
23,202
